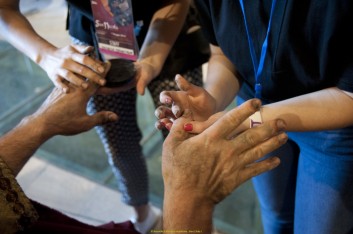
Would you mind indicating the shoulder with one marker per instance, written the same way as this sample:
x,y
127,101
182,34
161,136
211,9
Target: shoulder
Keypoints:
x,y
17,212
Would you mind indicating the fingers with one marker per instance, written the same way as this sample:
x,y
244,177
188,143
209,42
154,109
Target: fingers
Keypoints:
x,y
258,168
165,118
100,118
177,130
83,49
163,112
140,88
183,84
59,82
197,127
71,77
260,140
86,60
257,152
224,127
167,97
85,67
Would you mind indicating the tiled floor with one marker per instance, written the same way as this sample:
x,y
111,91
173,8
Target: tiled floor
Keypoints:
x,y
72,173
72,194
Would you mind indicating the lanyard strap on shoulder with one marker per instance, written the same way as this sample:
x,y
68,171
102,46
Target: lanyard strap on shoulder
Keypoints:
x,y
258,66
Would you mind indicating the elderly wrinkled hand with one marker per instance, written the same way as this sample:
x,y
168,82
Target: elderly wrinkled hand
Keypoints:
x,y
212,164
65,113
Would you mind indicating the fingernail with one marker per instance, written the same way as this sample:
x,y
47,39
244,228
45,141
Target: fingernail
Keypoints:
x,y
102,82
256,103
84,85
274,162
281,125
283,137
168,101
168,126
188,127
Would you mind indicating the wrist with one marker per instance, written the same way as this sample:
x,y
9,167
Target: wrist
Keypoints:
x,y
185,210
43,54
150,64
37,128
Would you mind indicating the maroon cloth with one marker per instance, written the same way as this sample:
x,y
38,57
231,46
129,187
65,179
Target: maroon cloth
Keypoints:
x,y
52,221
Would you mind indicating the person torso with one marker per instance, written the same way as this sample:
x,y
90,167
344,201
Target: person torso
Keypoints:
x,y
309,43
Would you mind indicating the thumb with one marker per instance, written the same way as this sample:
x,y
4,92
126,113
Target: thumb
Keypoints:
x,y
186,86
102,117
177,131
182,83
140,87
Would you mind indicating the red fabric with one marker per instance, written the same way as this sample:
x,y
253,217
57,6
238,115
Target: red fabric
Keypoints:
x,y
52,221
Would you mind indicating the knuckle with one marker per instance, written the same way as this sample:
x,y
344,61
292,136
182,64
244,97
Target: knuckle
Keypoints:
x,y
258,153
82,70
250,138
66,73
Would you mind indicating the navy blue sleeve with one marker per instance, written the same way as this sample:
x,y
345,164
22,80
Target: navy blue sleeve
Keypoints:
x,y
203,8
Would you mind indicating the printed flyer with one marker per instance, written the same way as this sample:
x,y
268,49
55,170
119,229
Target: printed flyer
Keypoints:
x,y
114,25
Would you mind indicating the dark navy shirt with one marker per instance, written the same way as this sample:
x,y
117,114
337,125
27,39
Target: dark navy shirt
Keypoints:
x,y
310,44
80,21
190,50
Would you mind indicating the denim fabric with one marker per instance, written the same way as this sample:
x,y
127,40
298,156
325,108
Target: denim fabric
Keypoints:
x,y
311,192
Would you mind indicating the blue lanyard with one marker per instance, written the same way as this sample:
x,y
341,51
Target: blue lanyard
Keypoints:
x,y
258,67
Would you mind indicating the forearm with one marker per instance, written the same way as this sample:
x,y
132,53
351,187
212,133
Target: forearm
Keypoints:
x,y
164,29
184,212
322,110
17,30
18,145
221,81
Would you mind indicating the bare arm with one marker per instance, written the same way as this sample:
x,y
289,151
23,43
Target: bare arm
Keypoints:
x,y
17,30
163,31
68,63
60,114
221,81
326,109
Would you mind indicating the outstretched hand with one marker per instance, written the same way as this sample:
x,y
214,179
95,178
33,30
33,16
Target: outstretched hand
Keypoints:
x,y
196,99
212,164
144,75
65,113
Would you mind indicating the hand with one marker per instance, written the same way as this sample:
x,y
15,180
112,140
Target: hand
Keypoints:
x,y
146,73
65,114
209,166
197,127
72,64
196,99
